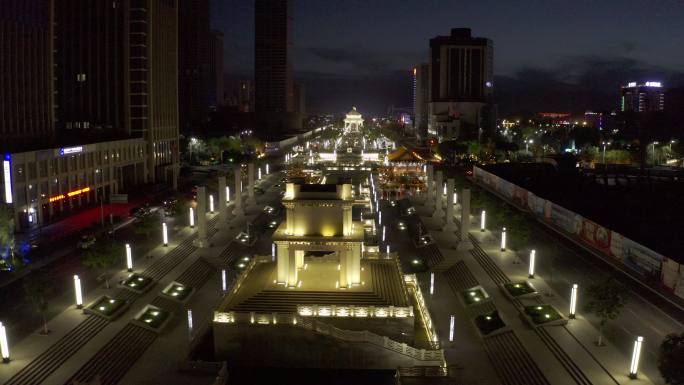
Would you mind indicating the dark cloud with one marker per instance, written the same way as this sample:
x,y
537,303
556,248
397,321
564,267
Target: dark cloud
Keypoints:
x,y
578,83
357,61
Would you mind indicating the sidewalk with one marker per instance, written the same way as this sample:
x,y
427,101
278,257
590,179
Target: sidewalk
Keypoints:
x,y
30,348
571,345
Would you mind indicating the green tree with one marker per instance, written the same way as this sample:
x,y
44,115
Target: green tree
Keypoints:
x,y
103,255
146,225
671,359
605,300
7,230
38,288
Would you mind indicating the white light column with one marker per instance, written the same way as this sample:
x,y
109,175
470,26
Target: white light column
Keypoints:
x,y
267,171
165,235
636,353
191,218
224,281
503,239
78,292
259,173
483,218
432,283
383,233
211,203
533,256
227,194
573,301
452,322
4,346
190,324
129,258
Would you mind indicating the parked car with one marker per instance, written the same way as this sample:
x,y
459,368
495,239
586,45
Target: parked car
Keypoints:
x,y
85,242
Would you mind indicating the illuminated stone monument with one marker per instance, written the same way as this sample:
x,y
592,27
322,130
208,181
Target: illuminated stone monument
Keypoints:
x,y
353,122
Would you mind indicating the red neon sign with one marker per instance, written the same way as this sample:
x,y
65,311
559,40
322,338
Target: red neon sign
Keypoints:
x,y
69,194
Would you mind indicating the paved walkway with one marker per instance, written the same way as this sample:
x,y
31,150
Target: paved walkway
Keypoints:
x,y
563,354
83,345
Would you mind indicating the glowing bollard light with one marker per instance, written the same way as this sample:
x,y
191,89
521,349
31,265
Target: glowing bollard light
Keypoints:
x,y
379,217
227,194
4,346
165,235
211,203
129,258
444,189
573,301
432,283
190,324
224,282
388,249
273,251
634,366
452,321
483,218
383,233
78,291
267,172
503,239
455,198
533,256
191,217
259,174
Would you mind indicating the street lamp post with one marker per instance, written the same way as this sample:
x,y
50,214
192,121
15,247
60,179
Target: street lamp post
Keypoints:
x,y
636,353
653,151
604,152
78,292
573,301
532,260
129,258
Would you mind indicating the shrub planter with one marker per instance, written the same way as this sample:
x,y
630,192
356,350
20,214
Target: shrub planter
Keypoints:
x,y
137,283
473,296
153,318
542,315
178,292
107,307
519,290
489,324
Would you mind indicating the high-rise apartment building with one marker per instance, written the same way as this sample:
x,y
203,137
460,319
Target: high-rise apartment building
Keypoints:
x,y
421,97
26,86
216,69
642,97
194,41
153,74
272,67
91,70
461,83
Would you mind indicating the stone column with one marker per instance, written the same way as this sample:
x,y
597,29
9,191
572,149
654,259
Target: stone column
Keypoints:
x,y
237,210
282,261
201,240
439,211
291,267
356,264
465,243
345,267
251,200
222,207
449,218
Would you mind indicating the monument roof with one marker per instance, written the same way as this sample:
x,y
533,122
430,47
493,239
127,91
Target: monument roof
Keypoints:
x,y
354,112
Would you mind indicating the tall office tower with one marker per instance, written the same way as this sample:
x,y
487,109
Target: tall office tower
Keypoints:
x,y
246,96
272,67
461,83
643,97
91,70
153,58
421,96
194,41
26,87
216,69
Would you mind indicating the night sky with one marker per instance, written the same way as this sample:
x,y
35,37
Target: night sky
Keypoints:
x,y
557,55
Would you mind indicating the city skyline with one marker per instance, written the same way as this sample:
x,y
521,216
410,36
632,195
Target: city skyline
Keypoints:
x,y
593,50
